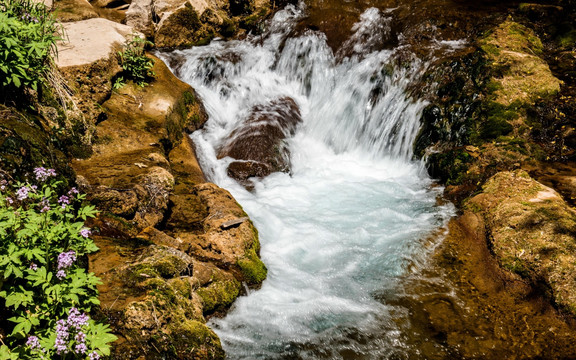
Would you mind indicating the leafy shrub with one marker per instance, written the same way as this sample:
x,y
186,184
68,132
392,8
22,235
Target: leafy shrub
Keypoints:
x,y
45,293
28,35
136,65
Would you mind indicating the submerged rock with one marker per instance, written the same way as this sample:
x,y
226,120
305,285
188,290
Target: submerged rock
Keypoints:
x,y
259,143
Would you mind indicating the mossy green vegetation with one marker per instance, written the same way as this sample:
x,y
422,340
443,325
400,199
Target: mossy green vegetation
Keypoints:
x,y
253,269
220,294
508,79
194,340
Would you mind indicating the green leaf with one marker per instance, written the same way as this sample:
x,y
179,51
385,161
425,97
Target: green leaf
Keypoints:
x,y
16,80
6,354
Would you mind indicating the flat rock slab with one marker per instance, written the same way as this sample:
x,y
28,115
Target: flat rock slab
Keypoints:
x,y
90,40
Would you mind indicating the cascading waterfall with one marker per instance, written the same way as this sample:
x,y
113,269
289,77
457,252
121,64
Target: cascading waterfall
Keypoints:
x,y
352,217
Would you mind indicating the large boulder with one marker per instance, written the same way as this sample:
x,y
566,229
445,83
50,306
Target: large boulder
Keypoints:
x,y
89,41
532,233
258,145
227,238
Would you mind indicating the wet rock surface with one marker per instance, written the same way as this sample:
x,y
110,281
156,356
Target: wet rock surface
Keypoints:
x,y
258,146
473,308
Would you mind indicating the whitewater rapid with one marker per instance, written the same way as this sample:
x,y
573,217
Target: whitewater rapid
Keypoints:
x,y
355,214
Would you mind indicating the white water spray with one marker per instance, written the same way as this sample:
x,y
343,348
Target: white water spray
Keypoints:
x,y
351,217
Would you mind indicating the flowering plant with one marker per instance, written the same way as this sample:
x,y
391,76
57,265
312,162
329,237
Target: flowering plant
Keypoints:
x,y
45,291
28,35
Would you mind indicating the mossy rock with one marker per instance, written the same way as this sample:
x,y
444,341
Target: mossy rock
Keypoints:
x,y
449,167
219,295
192,339
25,145
532,232
183,28
253,269
514,53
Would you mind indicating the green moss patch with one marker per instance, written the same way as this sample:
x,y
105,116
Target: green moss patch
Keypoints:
x,y
194,340
253,269
219,295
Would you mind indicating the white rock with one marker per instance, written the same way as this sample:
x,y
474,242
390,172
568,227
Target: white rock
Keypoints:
x,y
88,41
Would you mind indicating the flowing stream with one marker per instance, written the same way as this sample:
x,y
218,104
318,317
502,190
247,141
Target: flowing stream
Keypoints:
x,y
355,215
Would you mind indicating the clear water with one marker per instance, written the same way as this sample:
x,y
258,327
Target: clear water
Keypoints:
x,y
352,218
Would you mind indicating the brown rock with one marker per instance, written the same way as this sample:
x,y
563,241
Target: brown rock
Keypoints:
x,y
187,212
74,10
233,248
260,140
139,16
532,232
158,237
116,201
181,28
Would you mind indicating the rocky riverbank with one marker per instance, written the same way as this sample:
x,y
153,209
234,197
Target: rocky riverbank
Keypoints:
x,y
502,122
174,248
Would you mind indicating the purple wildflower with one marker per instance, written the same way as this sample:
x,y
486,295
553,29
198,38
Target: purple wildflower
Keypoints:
x,y
9,200
22,193
77,319
94,355
80,348
33,267
45,205
64,200
85,233
33,342
62,335
3,184
61,274
73,192
42,174
66,259
80,337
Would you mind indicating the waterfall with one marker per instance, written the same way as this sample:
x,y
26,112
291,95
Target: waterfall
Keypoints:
x,y
352,216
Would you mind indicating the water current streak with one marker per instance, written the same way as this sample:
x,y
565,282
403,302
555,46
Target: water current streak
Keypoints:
x,y
350,219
